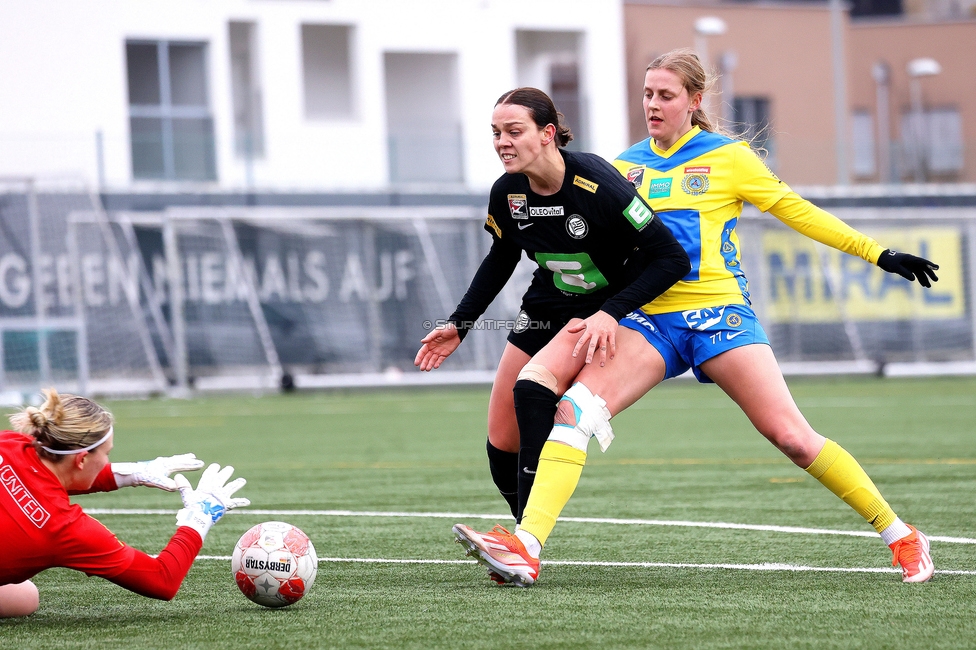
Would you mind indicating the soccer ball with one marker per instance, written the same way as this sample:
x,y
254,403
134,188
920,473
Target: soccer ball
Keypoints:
x,y
274,564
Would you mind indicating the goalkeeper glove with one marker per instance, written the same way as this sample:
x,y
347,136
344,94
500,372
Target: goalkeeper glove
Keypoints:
x,y
154,473
203,506
909,267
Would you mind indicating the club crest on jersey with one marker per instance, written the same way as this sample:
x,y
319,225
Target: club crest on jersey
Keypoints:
x,y
521,322
636,176
547,211
695,184
660,188
518,206
733,320
576,227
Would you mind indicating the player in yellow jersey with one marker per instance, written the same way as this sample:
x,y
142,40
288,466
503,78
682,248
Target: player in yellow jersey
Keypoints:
x,y
697,180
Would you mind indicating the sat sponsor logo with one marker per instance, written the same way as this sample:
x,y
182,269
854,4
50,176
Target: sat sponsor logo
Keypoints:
x,y
22,496
698,170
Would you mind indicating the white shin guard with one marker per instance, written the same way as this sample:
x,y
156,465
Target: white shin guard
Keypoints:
x,y
592,420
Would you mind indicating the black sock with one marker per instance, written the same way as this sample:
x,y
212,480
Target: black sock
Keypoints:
x,y
535,410
504,467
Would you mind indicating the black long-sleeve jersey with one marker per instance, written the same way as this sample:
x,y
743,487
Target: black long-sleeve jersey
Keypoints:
x,y
596,242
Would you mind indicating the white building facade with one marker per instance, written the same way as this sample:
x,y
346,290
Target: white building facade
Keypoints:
x,y
285,95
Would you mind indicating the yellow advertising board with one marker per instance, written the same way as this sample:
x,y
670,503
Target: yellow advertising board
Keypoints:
x,y
808,282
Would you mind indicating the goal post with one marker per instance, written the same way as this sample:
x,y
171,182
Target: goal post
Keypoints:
x,y
325,295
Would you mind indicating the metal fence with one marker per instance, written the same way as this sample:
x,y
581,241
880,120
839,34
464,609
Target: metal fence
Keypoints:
x,y
221,298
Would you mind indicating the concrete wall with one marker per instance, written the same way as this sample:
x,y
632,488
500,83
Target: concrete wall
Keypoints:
x,y
953,45
783,53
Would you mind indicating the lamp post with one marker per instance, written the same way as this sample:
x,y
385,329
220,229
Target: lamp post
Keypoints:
x,y
837,13
706,26
882,80
727,62
917,69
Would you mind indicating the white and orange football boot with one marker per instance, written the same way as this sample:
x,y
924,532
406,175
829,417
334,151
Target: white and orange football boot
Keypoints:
x,y
501,552
912,553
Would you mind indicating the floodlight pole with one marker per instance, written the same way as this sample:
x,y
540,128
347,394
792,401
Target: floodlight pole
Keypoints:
x,y
706,26
837,9
882,79
918,68
727,64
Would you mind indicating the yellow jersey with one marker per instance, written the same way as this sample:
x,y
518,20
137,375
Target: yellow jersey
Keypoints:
x,y
697,188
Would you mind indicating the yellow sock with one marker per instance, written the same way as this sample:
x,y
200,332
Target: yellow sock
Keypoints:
x,y
560,467
837,470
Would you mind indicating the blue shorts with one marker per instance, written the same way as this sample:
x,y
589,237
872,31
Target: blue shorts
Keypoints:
x,y
688,339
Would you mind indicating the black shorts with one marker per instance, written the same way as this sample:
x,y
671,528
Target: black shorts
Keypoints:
x,y
539,321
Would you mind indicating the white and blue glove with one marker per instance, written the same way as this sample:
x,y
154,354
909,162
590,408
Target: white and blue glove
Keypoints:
x,y
203,506
155,473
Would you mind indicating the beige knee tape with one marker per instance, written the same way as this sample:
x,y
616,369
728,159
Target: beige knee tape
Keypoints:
x,y
539,374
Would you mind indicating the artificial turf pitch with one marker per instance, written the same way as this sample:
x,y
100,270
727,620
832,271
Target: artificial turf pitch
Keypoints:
x,y
684,453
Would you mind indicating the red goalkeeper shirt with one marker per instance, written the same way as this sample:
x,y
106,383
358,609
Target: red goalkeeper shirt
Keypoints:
x,y
43,529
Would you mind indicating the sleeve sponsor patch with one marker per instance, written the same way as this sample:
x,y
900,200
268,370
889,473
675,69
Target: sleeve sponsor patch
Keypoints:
x,y
490,222
638,213
590,186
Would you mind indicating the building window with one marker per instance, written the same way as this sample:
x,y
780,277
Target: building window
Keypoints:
x,y
169,117
751,121
564,82
862,140
327,65
246,90
422,150
945,141
553,62
932,144
862,8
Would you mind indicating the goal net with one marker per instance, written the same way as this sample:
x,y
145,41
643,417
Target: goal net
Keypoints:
x,y
71,312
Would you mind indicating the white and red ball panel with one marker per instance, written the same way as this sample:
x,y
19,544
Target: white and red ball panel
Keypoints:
x,y
274,564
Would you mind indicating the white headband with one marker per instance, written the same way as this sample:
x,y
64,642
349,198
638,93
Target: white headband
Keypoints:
x,y
68,452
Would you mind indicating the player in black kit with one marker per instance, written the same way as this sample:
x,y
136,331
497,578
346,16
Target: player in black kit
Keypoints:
x,y
600,253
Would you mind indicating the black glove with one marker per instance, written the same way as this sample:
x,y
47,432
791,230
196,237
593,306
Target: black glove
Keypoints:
x,y
909,267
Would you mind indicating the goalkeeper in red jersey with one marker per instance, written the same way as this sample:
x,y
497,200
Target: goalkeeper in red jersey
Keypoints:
x,y
62,448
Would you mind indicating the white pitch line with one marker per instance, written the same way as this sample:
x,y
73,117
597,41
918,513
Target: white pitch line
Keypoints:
x,y
585,520
768,566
